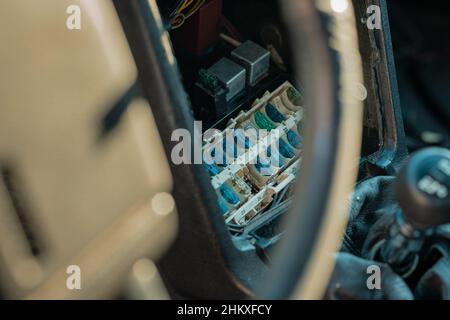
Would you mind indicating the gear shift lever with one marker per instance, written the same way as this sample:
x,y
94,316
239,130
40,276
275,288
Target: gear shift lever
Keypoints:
x,y
423,189
423,193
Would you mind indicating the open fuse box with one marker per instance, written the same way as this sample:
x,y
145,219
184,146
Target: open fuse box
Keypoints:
x,y
255,159
241,87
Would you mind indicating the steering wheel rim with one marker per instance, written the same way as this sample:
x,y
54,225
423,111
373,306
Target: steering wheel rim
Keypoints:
x,y
325,42
333,51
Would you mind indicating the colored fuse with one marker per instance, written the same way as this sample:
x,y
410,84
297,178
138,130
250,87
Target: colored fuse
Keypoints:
x,y
294,96
229,195
269,163
242,139
294,140
285,150
264,169
213,170
230,148
262,121
223,207
274,114
222,163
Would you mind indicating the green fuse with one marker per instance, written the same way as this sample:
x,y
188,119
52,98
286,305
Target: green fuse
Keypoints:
x,y
294,96
263,122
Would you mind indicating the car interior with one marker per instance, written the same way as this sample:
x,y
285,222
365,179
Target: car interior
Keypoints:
x,y
225,149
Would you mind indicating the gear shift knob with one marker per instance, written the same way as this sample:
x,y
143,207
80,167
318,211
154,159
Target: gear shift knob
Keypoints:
x,y
423,194
423,188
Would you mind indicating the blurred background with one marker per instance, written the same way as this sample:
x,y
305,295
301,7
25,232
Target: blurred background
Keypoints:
x,y
420,35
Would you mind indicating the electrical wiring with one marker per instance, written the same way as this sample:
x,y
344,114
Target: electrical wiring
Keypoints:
x,y
187,4
176,8
180,16
195,8
178,21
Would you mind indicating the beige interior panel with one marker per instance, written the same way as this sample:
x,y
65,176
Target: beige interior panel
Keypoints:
x,y
75,188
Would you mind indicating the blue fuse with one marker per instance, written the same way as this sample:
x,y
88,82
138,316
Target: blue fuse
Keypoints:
x,y
242,139
229,195
213,170
230,148
223,207
269,165
274,114
294,140
285,150
222,163
264,169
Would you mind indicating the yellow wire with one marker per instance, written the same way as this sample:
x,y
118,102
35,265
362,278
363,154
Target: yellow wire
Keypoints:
x,y
197,6
185,4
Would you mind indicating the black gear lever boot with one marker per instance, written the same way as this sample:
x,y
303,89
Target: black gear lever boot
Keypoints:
x,y
398,220
423,194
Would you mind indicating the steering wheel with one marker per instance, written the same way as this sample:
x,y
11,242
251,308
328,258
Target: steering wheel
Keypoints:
x,y
325,45
107,158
